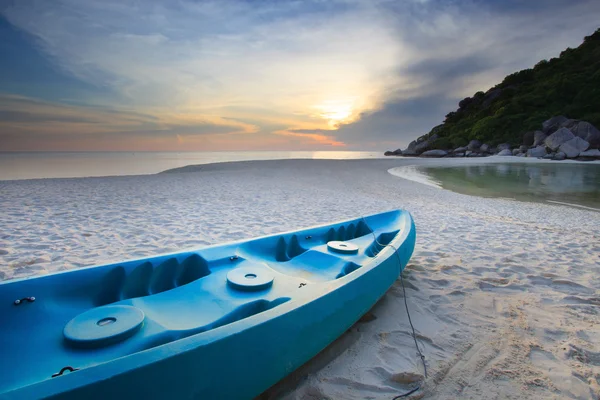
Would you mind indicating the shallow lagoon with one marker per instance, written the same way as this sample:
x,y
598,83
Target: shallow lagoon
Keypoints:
x,y
573,184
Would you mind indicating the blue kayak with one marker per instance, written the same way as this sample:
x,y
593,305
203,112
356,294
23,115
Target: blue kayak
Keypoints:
x,y
222,322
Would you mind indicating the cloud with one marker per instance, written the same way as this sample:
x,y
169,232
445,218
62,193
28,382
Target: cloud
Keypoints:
x,y
26,121
289,55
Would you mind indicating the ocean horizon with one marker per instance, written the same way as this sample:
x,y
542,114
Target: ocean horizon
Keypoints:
x,y
83,164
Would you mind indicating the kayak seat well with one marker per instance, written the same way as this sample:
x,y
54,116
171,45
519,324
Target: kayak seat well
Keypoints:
x,y
382,240
287,247
127,282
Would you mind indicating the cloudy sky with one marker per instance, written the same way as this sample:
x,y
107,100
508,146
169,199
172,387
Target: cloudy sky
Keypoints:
x,y
260,75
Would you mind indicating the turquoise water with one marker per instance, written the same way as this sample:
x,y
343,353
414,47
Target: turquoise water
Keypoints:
x,y
84,164
573,184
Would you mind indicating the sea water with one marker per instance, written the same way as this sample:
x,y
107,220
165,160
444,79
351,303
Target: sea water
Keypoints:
x,y
22,165
565,183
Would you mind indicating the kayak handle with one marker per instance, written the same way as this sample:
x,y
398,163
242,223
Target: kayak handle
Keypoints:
x,y
62,371
30,299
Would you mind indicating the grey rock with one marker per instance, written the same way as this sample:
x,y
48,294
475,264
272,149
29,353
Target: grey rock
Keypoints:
x,y
503,146
421,147
559,137
577,143
435,153
474,145
549,156
539,151
485,148
473,154
459,154
592,153
468,153
538,138
397,152
553,124
588,132
411,145
460,149
523,148
409,152
505,152
521,155
515,151
560,156
569,124
569,150
528,138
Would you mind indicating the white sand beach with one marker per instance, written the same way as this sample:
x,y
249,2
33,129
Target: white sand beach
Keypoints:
x,y
504,295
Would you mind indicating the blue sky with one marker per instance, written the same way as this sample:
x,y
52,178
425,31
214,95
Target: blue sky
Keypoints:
x,y
260,75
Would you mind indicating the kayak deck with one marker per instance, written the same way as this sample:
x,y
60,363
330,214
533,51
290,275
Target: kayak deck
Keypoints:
x,y
90,316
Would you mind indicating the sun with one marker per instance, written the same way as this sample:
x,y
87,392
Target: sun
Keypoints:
x,y
336,111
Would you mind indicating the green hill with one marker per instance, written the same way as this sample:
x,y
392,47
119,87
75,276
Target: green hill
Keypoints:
x,y
568,85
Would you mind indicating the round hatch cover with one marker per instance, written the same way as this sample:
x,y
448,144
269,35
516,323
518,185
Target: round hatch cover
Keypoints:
x,y
104,325
342,247
250,278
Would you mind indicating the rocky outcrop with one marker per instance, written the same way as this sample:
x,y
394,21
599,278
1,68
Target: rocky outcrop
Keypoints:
x,y
559,137
553,124
435,153
539,151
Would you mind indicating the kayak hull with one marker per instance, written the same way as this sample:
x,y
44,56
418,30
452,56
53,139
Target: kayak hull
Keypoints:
x,y
239,357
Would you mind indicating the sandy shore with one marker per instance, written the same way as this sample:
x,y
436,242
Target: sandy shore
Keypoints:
x,y
505,295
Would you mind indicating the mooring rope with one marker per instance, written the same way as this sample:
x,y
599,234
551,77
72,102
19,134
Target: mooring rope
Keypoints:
x,y
414,335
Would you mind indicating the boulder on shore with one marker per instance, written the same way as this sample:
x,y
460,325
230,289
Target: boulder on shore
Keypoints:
x,y
474,145
528,138
435,153
591,154
539,151
461,149
573,147
503,146
485,148
523,149
538,138
505,152
560,156
515,152
559,137
409,152
553,124
587,132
